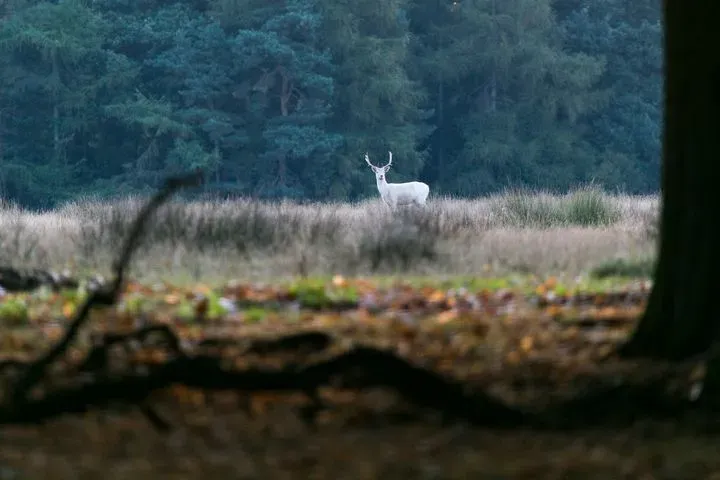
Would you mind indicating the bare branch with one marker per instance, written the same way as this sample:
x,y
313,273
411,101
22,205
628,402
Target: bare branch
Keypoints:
x,y
358,368
35,371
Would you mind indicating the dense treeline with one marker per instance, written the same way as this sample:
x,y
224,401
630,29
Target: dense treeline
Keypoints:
x,y
283,97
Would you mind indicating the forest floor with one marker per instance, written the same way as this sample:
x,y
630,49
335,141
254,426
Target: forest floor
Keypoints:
x,y
209,445
529,342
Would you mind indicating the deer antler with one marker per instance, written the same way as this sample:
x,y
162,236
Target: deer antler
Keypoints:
x,y
367,159
389,160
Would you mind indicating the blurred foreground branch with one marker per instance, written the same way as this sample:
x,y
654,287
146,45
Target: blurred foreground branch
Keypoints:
x,y
17,399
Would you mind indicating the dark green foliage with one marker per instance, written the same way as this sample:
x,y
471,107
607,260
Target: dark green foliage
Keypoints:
x,y
626,133
378,105
281,98
55,75
509,97
291,96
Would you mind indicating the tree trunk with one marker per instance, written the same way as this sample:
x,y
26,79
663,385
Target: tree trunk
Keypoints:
x,y
57,148
683,315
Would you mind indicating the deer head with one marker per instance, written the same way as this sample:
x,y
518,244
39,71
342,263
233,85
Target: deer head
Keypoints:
x,y
380,171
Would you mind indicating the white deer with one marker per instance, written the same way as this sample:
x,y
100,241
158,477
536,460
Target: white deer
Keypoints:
x,y
395,194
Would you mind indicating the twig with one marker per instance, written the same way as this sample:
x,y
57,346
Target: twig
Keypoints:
x,y
35,371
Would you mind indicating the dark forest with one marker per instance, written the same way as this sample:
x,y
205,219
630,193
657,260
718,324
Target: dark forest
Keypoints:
x,y
281,98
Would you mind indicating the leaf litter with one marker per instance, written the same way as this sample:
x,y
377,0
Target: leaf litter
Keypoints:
x,y
526,340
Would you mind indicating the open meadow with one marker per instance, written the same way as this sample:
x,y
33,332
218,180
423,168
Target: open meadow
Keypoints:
x,y
468,339
513,233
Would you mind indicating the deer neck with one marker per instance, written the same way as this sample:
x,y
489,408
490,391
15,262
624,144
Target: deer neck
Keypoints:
x,y
382,185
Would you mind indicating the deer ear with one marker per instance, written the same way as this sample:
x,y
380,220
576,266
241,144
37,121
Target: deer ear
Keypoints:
x,y
387,167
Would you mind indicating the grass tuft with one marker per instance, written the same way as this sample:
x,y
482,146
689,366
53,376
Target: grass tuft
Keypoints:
x,y
588,206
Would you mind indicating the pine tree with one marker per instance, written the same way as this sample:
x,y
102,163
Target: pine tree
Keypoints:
x,y
378,106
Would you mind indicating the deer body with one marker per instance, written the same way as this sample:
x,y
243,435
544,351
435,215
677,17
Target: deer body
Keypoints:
x,y
398,194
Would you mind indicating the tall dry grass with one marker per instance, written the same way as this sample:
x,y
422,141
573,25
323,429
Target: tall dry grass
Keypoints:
x,y
212,240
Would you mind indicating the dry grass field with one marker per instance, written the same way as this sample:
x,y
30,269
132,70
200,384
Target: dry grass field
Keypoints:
x,y
514,232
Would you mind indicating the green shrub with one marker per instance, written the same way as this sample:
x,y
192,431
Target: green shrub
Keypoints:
x,y
623,267
587,206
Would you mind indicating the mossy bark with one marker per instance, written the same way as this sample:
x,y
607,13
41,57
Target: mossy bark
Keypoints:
x,y
683,313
